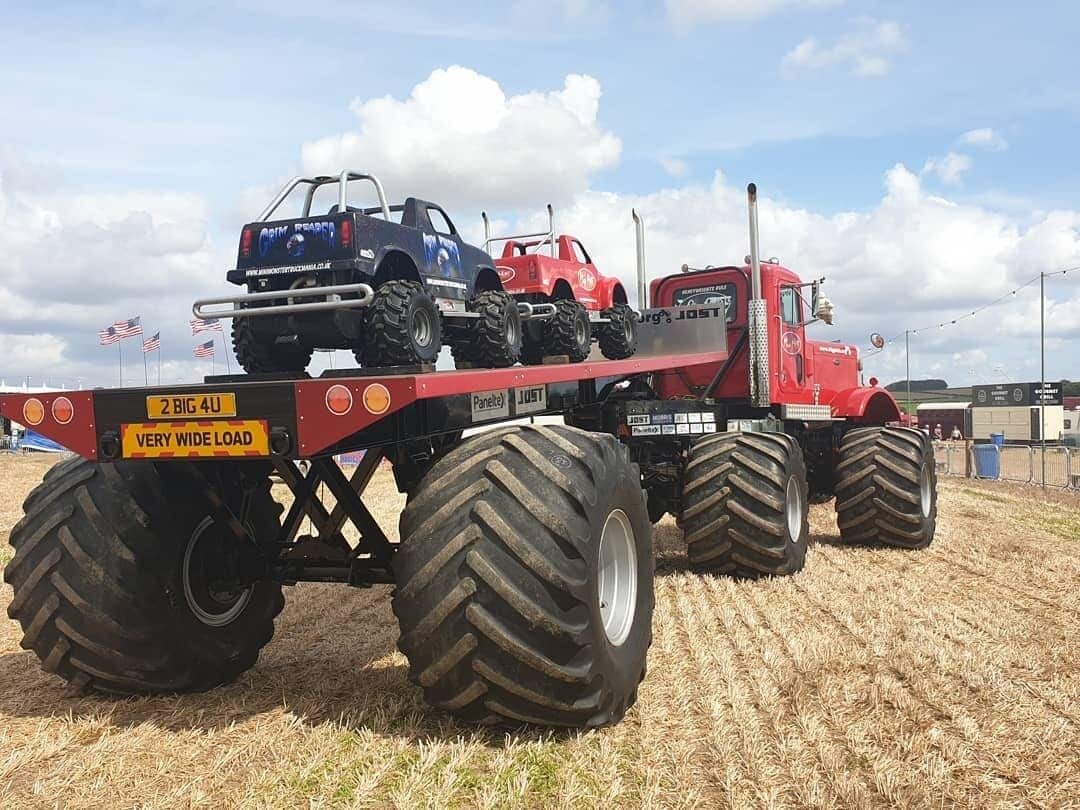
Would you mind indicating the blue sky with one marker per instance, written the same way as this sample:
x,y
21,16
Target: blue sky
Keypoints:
x,y
211,104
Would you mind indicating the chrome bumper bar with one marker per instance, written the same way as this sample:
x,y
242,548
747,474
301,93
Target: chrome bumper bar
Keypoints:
x,y
332,299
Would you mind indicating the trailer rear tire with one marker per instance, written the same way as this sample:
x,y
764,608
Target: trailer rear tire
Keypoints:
x,y
745,507
886,491
262,355
112,577
403,326
619,336
525,579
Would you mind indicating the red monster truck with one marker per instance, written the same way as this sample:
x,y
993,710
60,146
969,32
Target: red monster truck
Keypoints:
x,y
570,303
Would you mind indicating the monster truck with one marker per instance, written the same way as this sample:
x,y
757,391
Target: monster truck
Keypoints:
x,y
570,302
353,278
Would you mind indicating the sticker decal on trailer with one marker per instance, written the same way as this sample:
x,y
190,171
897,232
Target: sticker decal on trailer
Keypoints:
x,y
645,430
530,399
489,405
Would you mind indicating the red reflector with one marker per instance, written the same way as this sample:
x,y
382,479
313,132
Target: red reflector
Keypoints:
x,y
62,410
346,232
339,400
245,243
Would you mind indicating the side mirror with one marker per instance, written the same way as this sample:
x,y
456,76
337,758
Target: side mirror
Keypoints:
x,y
823,307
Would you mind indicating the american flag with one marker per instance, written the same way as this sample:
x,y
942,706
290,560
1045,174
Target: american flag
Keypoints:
x,y
204,325
152,344
204,349
107,336
128,328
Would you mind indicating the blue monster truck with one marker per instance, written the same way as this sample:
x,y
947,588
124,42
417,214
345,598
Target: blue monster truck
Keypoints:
x,y
354,278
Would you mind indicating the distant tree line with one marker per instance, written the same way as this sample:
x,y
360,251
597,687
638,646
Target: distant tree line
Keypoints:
x,y
918,385
1069,388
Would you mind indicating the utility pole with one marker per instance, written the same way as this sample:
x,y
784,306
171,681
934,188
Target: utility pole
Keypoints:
x,y
1042,372
907,373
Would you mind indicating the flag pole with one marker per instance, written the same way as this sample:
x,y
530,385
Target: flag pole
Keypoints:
x,y
120,351
145,374
225,349
159,364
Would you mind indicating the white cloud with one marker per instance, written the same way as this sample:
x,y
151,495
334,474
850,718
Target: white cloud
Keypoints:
x,y
866,52
75,262
459,139
685,13
985,138
912,260
676,167
949,169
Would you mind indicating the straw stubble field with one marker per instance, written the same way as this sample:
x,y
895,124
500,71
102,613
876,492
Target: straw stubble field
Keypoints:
x,y
873,678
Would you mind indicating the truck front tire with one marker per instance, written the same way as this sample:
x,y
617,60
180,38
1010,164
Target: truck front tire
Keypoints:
x,y
745,509
525,578
886,491
122,576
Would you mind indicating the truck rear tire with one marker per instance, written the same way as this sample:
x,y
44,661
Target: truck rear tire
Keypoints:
x,y
262,355
568,332
745,507
403,326
497,332
619,336
886,491
525,579
114,572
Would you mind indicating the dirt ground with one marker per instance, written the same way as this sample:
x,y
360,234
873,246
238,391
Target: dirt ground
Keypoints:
x,y
915,679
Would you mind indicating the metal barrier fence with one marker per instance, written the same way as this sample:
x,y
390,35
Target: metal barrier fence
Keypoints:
x,y
1015,463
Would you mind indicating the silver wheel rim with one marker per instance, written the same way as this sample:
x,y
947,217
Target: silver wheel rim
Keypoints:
x,y
628,330
581,331
795,509
925,492
422,327
200,608
511,329
616,583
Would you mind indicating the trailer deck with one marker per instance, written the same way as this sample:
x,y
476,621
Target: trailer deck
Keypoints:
x,y
278,416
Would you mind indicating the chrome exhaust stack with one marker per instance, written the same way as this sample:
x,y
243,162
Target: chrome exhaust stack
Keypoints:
x,y
756,315
639,242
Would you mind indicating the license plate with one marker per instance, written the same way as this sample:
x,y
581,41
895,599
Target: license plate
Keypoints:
x,y
188,406
204,439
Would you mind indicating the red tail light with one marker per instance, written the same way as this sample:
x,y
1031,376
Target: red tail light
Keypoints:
x,y
346,232
245,243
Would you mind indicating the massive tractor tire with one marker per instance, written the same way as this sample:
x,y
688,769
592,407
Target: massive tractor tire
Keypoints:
x,y
886,491
619,336
745,507
525,579
568,332
258,354
123,578
496,334
402,327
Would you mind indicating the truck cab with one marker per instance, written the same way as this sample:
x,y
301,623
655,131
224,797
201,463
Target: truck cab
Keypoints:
x,y
802,371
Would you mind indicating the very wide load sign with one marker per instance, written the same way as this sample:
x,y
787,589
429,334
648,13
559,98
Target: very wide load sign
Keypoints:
x,y
1015,394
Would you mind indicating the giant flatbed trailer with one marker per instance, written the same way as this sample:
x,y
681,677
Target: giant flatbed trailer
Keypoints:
x,y
154,561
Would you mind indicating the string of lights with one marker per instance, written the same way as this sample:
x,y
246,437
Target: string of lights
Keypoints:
x,y
974,312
